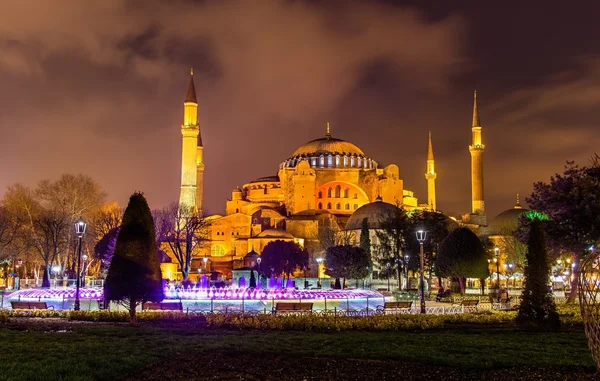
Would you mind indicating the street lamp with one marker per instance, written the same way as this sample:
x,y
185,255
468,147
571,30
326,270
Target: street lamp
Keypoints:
x,y
497,262
421,237
84,271
205,260
80,226
406,258
319,261
258,260
387,266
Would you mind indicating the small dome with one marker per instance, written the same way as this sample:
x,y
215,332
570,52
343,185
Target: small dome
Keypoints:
x,y
506,221
374,212
275,233
252,254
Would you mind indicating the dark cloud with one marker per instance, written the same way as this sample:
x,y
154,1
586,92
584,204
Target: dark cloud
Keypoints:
x,y
99,89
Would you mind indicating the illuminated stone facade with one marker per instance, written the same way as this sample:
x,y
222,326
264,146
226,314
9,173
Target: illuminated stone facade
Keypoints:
x,y
319,186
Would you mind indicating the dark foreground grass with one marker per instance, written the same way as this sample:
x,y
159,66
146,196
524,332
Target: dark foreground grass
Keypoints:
x,y
108,352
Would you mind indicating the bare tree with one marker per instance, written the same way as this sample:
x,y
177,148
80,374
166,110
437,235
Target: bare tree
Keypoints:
x,y
105,219
72,196
49,238
184,231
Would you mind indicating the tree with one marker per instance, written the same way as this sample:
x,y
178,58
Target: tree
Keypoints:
x,y
462,256
252,279
105,219
105,249
537,307
365,239
185,232
134,274
282,257
49,238
394,237
437,226
572,203
347,262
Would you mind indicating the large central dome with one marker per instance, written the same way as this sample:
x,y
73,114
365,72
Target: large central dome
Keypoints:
x,y
329,152
328,145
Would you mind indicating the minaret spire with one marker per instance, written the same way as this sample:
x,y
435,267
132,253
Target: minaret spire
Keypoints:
x,y
190,97
476,121
430,176
328,131
430,149
192,163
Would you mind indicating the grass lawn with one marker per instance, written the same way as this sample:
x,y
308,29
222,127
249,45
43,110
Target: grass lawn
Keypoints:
x,y
108,352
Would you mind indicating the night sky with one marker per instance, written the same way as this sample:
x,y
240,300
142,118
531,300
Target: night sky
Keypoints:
x,y
98,89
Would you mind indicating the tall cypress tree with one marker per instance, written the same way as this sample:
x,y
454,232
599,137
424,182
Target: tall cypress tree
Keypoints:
x,y
537,307
365,240
134,274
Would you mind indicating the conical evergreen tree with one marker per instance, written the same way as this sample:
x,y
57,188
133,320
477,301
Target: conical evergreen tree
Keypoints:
x,y
537,307
252,279
134,274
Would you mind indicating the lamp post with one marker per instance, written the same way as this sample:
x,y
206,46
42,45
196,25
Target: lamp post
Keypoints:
x,y
387,266
421,237
84,270
319,261
80,226
406,258
497,262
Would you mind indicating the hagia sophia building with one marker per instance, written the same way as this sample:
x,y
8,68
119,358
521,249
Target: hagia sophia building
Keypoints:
x,y
326,182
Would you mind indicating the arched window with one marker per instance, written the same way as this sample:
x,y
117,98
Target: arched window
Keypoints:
x,y
337,160
321,161
355,206
338,191
352,161
355,196
345,160
320,205
320,194
313,161
329,192
346,193
328,205
330,161
347,206
218,233
237,210
359,162
338,206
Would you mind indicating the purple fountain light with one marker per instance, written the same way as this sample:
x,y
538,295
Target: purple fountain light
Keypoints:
x,y
242,293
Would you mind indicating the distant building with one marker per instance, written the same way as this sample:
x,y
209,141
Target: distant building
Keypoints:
x,y
321,185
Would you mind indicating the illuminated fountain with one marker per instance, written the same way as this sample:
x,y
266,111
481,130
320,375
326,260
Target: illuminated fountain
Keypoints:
x,y
207,299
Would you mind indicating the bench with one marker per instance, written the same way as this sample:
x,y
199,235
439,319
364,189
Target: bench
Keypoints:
x,y
30,306
168,306
470,304
293,308
395,307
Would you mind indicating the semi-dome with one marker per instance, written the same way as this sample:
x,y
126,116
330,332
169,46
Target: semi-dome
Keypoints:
x,y
274,233
374,212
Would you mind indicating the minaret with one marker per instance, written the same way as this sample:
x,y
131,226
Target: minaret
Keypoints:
x,y
430,176
476,148
190,149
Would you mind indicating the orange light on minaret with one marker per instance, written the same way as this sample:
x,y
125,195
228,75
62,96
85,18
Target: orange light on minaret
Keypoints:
x,y
476,149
